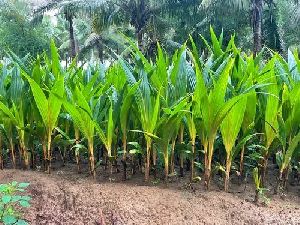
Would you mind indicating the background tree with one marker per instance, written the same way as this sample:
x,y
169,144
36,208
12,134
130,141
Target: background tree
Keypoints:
x,y
16,31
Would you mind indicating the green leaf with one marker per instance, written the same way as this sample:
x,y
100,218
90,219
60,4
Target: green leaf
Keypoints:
x,y
21,222
16,198
110,129
135,151
79,146
23,185
8,113
231,125
6,199
8,219
217,44
145,133
81,119
40,99
155,113
55,102
26,198
271,123
289,153
24,203
126,105
55,59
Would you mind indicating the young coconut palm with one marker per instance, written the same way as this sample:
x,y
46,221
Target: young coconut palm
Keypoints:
x,y
230,129
167,128
288,132
212,109
270,115
148,103
49,108
124,120
82,116
16,116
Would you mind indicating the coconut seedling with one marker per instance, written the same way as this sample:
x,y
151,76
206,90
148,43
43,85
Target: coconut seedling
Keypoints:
x,y
148,105
49,105
128,100
269,106
81,114
167,129
230,129
288,130
16,118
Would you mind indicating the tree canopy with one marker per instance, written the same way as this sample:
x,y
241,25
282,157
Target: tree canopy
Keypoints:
x,y
97,28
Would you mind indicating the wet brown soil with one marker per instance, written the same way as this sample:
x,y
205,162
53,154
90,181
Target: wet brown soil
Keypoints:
x,y
65,197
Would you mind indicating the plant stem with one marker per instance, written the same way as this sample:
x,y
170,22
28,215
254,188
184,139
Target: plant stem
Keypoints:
x,y
124,157
193,162
166,160
26,157
263,171
77,153
1,154
92,158
154,158
147,163
173,156
12,151
279,182
227,173
44,146
242,162
181,153
49,153
208,159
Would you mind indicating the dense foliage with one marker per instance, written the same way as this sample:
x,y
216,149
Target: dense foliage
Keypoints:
x,y
92,28
10,200
219,111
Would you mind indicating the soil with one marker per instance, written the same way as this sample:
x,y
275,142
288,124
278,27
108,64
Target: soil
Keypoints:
x,y
65,197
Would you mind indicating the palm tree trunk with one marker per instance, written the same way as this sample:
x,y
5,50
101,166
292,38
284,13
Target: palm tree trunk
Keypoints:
x,y
139,37
73,52
257,17
100,51
140,23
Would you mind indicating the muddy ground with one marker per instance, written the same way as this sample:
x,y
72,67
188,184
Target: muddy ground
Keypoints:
x,y
65,197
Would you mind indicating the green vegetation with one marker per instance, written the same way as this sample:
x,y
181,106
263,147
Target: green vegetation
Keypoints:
x,y
132,82
91,29
10,200
213,112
